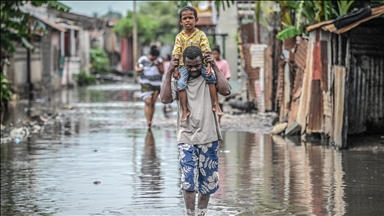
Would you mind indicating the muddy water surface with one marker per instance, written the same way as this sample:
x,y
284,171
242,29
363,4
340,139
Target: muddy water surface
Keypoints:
x,y
101,160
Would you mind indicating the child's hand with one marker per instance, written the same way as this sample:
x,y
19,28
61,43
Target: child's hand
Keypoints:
x,y
208,57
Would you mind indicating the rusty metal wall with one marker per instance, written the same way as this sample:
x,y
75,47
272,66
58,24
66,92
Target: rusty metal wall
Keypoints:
x,y
366,95
366,78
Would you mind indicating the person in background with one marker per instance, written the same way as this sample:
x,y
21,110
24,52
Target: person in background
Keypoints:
x,y
167,61
151,69
223,66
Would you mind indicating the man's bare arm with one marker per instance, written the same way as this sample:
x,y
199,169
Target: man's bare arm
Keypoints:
x,y
166,89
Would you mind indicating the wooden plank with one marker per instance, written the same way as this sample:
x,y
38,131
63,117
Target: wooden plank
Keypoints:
x,y
296,93
324,65
316,64
315,117
318,25
293,109
339,96
307,81
327,104
280,83
268,79
287,85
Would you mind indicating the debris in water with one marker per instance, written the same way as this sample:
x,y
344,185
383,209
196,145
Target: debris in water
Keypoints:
x,y
96,182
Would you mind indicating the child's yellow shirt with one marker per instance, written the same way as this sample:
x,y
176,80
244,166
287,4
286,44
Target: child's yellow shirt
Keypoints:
x,y
182,41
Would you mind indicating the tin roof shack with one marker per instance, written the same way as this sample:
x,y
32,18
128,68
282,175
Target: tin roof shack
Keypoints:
x,y
340,89
44,65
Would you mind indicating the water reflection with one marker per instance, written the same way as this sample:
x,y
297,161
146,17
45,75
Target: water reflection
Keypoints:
x,y
138,169
151,178
277,175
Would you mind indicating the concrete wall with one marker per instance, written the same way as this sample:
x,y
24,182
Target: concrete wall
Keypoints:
x,y
55,51
72,66
17,71
47,60
20,65
227,23
85,44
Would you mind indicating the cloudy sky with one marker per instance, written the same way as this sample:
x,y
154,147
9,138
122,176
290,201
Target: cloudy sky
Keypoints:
x,y
101,7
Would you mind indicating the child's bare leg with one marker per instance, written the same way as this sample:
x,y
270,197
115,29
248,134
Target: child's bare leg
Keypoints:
x,y
184,108
215,106
208,70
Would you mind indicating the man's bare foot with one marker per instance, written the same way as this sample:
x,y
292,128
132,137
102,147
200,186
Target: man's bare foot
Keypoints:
x,y
149,124
216,108
185,115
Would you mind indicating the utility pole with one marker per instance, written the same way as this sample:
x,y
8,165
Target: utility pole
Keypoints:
x,y
134,37
29,78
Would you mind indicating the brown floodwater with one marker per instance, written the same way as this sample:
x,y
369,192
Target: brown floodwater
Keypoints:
x,y
101,160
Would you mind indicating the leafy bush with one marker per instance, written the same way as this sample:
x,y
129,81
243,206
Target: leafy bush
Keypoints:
x,y
5,92
83,78
99,60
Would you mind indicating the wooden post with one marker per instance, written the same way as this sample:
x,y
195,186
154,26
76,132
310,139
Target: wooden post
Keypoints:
x,y
29,75
340,52
135,57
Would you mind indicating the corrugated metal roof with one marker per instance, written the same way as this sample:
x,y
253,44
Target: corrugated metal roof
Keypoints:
x,y
301,54
329,26
50,23
77,28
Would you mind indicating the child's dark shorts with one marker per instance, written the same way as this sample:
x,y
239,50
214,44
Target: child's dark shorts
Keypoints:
x,y
184,75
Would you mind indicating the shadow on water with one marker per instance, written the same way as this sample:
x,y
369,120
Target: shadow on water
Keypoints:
x,y
138,169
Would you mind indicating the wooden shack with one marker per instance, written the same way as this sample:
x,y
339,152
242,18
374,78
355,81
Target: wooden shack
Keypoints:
x,y
336,84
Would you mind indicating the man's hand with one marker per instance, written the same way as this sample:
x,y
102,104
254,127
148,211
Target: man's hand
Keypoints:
x,y
174,63
208,57
173,66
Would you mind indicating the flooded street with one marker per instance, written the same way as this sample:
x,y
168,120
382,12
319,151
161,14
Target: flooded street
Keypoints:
x,y
101,160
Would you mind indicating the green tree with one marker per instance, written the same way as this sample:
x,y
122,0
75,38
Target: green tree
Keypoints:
x,y
218,3
14,20
156,21
99,60
166,13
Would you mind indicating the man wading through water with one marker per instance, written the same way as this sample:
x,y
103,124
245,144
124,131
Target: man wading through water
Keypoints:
x,y
198,136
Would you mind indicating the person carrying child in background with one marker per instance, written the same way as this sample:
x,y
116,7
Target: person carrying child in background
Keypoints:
x,y
191,36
